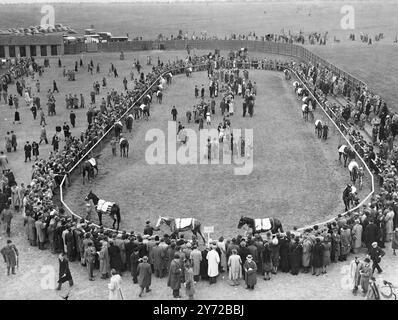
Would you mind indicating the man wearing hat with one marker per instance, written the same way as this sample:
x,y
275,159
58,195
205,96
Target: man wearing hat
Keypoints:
x,y
148,229
376,253
174,281
144,275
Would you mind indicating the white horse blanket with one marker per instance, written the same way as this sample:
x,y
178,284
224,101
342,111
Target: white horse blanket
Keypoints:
x,y
92,161
121,140
342,148
183,222
262,224
352,165
104,206
303,107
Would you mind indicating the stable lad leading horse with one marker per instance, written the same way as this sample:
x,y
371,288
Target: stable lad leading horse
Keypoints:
x,y
89,166
102,206
181,224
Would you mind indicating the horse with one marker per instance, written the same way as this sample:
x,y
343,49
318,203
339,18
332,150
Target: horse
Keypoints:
x,y
178,225
346,152
89,166
353,167
188,71
118,129
349,196
325,130
102,207
261,225
305,110
318,128
124,147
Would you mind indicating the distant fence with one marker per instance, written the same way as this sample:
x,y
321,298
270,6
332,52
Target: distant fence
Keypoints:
x,y
278,48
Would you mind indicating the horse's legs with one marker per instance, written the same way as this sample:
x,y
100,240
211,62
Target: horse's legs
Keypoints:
x,y
100,218
200,233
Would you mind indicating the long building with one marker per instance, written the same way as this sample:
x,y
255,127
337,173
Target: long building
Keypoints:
x,y
39,45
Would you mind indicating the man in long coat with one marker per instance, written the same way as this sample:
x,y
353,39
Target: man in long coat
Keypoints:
x,y
10,255
64,272
134,261
355,267
196,258
105,267
345,235
158,255
41,235
144,275
174,281
213,260
250,272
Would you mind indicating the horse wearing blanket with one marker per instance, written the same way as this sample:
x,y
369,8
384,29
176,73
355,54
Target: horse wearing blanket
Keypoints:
x,y
178,225
261,225
105,207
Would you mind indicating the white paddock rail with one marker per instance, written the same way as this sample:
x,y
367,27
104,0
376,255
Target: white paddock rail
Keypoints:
x,y
348,142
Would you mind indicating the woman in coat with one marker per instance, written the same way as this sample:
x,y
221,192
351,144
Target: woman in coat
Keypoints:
x,y
317,257
144,275
250,272
15,200
356,235
235,267
345,235
307,248
213,260
105,267
115,291
204,265
366,273
189,281
326,253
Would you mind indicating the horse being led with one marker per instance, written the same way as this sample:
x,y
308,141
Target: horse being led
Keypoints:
x,y
349,196
178,225
346,152
261,225
124,147
89,166
104,207
318,128
353,167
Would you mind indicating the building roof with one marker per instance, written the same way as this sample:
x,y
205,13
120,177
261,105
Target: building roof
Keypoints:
x,y
38,39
